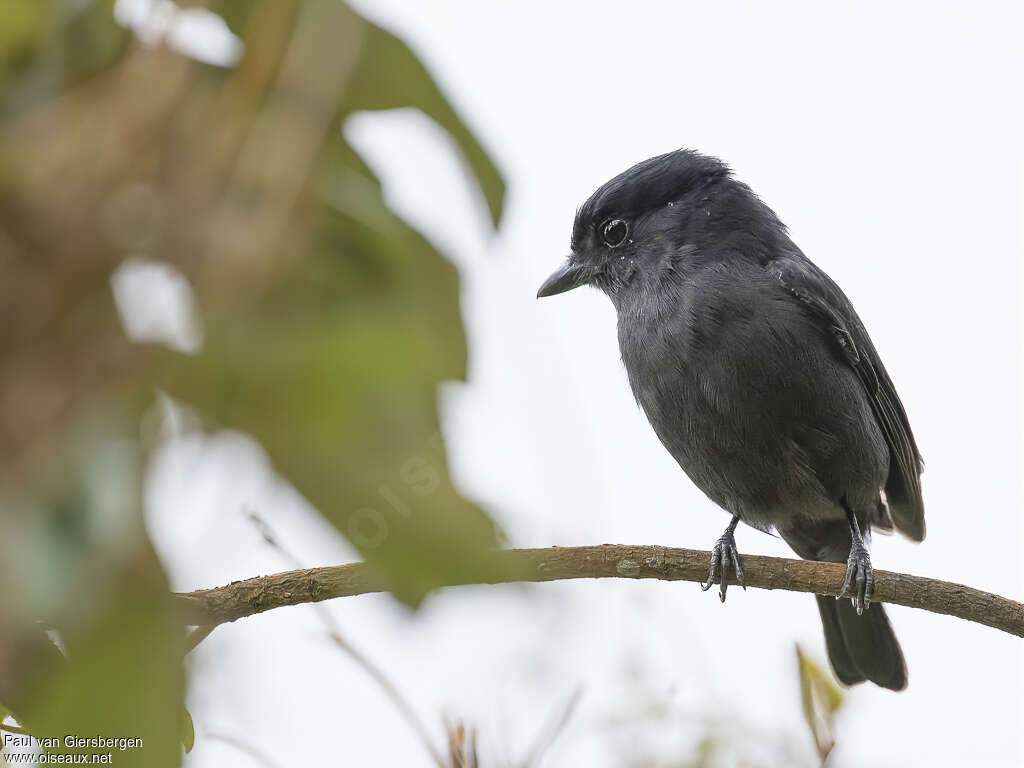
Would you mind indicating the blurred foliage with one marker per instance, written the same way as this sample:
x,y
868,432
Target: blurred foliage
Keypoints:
x,y
328,325
188,736
820,697
76,558
664,724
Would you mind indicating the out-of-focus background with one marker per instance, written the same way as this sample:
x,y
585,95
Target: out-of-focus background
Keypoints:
x,y
202,181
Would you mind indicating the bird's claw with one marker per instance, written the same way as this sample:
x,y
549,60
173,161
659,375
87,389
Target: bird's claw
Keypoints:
x,y
859,584
723,555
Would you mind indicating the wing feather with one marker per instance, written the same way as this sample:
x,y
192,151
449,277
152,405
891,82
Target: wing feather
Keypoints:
x,y
828,304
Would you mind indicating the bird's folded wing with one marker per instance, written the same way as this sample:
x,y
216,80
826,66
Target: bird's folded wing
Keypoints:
x,y
828,305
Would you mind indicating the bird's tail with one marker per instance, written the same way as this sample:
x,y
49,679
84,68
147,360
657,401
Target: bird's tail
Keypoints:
x,y
862,647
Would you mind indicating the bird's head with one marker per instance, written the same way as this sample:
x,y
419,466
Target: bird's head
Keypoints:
x,y
632,228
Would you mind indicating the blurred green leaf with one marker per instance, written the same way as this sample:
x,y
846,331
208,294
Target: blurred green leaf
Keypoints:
x,y
337,378
707,749
335,371
121,677
82,565
820,698
188,737
329,323
23,23
390,75
240,14
49,45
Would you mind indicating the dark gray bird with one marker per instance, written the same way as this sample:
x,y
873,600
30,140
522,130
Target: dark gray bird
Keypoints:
x,y
759,378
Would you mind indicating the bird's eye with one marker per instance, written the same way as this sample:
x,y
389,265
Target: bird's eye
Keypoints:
x,y
615,232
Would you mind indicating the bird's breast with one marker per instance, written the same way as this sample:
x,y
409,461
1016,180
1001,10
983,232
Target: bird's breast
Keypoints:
x,y
749,400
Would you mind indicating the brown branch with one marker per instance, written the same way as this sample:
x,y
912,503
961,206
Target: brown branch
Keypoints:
x,y
309,585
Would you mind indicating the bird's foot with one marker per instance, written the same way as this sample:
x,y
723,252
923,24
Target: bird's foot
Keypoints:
x,y
723,555
859,584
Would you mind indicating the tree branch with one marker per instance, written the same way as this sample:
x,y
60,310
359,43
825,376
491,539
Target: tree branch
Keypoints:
x,y
310,585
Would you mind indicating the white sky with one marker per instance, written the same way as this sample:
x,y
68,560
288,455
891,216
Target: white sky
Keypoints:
x,y
888,137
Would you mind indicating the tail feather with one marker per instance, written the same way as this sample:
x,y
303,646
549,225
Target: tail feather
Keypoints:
x,y
906,506
862,647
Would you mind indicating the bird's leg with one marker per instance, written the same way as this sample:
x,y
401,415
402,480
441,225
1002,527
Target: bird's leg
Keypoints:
x,y
723,555
859,584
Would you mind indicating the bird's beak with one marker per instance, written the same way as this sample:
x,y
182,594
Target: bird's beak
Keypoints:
x,y
565,278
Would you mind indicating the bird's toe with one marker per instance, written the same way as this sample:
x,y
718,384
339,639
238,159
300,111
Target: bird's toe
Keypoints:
x,y
716,557
723,556
859,583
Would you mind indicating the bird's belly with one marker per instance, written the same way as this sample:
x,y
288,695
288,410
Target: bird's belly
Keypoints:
x,y
760,477
763,445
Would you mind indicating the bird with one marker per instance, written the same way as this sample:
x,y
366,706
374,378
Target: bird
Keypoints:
x,y
759,378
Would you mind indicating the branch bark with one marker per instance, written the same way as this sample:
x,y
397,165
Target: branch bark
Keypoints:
x,y
309,585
